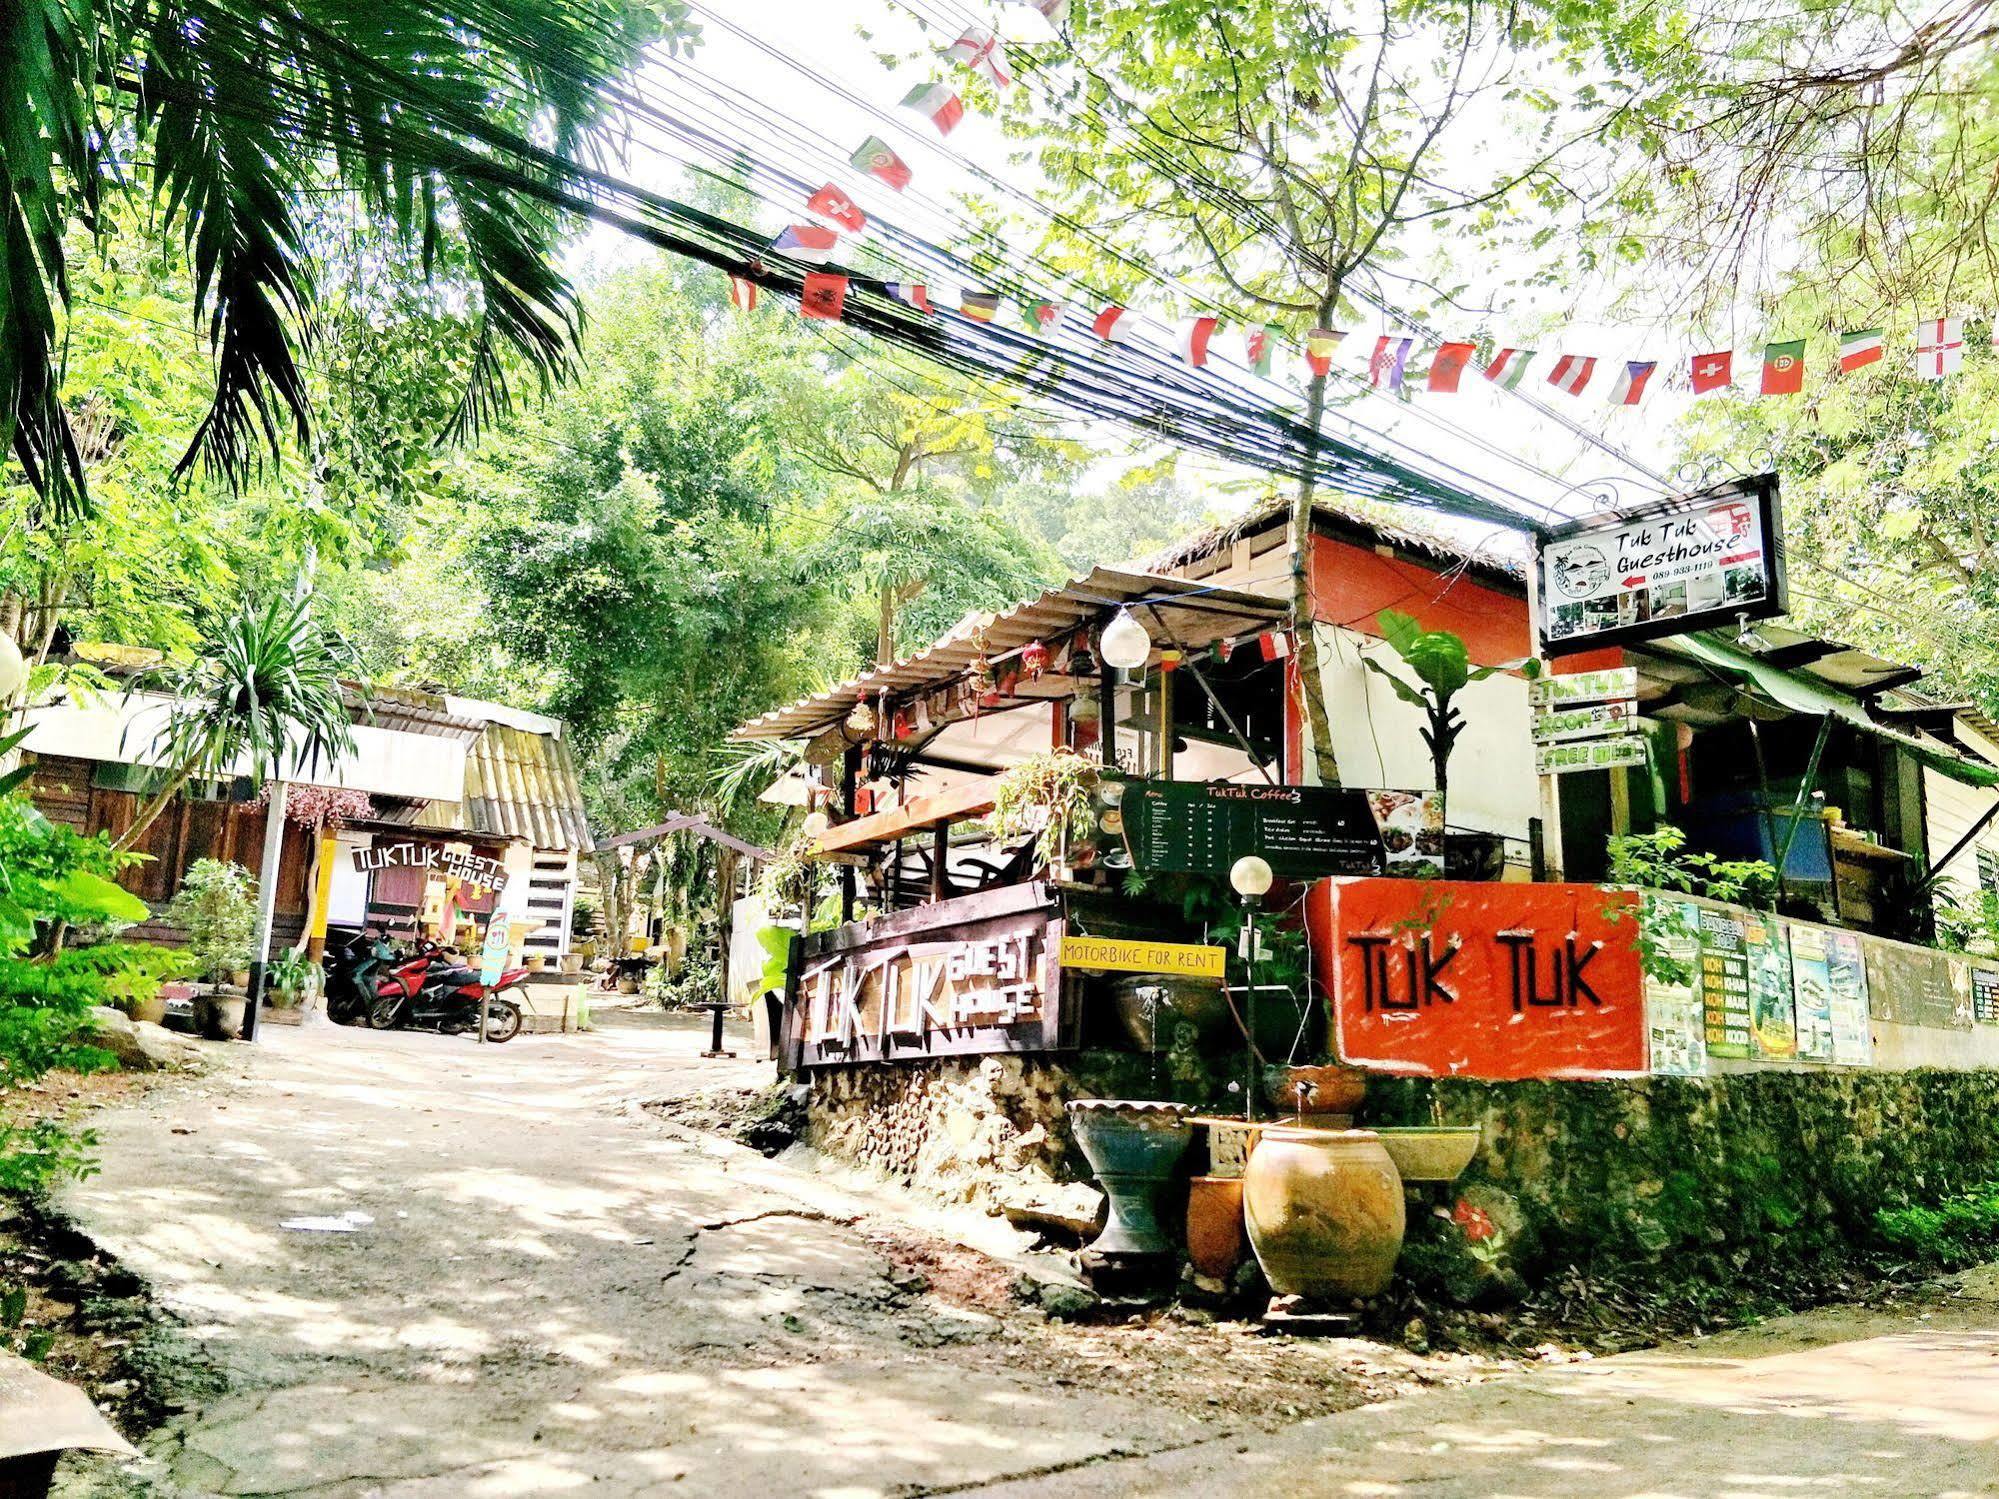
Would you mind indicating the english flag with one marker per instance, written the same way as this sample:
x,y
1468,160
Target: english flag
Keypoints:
x,y
1320,345
1113,325
979,50
1447,367
937,104
1259,347
1859,348
1572,373
807,242
830,203
1509,367
1390,362
1194,336
823,295
876,158
1630,387
743,293
910,294
1939,347
1784,368
1712,371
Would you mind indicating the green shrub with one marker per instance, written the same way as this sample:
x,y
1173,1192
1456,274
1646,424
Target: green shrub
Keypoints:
x,y
1960,1230
699,982
216,906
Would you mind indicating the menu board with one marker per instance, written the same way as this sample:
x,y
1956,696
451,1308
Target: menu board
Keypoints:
x,y
1676,1044
1811,983
1909,985
1846,976
1773,1016
1985,995
1303,832
1724,985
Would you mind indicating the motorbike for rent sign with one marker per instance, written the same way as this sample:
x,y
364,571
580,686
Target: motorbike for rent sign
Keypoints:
x,y
1687,563
1497,981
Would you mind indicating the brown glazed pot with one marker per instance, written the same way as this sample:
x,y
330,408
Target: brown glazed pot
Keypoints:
x,y
1328,1089
1214,1224
1324,1210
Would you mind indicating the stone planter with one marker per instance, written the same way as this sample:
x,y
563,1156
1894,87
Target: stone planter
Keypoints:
x,y
1133,1147
1152,1006
1214,1225
153,1011
572,963
1431,1153
1324,1212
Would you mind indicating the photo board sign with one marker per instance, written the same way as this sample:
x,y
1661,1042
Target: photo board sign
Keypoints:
x,y
1692,562
1303,832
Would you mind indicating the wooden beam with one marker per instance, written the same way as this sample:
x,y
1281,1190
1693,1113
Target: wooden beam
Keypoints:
x,y
960,803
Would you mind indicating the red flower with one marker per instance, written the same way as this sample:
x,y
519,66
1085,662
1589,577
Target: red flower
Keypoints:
x,y
1476,1222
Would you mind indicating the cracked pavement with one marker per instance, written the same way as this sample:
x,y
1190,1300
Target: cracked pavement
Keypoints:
x,y
556,1292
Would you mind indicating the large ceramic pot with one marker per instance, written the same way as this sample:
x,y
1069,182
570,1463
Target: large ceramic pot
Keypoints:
x,y
1151,1006
1214,1225
1324,1209
1133,1147
219,1016
1431,1153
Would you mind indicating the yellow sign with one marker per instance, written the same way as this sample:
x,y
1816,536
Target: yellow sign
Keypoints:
x,y
1121,955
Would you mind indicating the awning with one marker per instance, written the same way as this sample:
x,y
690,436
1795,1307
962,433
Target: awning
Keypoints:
x,y
1800,693
1182,610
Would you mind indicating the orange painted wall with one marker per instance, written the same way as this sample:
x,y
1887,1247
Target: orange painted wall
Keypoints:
x,y
1352,584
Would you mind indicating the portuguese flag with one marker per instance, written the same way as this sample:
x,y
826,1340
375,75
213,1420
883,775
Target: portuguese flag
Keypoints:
x,y
874,156
1860,347
1784,368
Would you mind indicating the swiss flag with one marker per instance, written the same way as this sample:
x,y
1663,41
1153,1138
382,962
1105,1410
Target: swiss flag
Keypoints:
x,y
830,203
823,295
1712,371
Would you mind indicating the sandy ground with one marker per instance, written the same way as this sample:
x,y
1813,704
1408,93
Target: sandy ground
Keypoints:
x,y
557,1292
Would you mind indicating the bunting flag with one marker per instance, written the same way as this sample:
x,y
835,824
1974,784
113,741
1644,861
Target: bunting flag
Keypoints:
x,y
1572,373
1711,371
1275,644
830,203
1319,346
1194,336
979,50
1859,348
1509,367
1630,387
1939,347
878,160
937,104
1390,362
1259,347
1447,367
979,306
1053,10
1784,368
910,294
743,293
1113,325
1044,317
824,295
807,242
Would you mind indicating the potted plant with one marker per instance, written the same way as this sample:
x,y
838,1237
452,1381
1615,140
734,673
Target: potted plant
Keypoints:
x,y
216,909
1443,669
290,977
1052,796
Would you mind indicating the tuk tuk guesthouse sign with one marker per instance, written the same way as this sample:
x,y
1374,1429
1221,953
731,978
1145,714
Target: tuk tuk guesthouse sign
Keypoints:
x,y
1613,683
1589,721
433,858
1589,754
1692,562
1304,832
1123,955
1495,981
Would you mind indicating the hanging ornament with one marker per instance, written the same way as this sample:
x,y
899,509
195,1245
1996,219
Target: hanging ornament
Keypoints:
x,y
1124,642
1169,659
1224,648
860,723
1034,660
1081,662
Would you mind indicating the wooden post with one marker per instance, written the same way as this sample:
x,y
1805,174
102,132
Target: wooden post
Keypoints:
x,y
1551,793
1106,712
850,774
267,903
940,856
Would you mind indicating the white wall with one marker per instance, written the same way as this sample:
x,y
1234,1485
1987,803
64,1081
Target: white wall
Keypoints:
x,y
1950,810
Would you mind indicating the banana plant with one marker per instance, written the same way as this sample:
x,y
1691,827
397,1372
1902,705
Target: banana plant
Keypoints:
x,y
1442,668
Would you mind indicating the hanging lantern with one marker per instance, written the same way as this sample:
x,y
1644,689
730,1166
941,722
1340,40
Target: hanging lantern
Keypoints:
x,y
1034,659
1124,642
1082,663
860,723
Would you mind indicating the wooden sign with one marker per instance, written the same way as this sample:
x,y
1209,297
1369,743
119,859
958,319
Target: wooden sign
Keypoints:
x,y
1453,979
433,858
1590,721
1121,955
1589,754
1551,691
962,977
1303,832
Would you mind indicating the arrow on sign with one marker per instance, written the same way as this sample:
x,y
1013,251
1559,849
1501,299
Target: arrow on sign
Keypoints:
x,y
1634,580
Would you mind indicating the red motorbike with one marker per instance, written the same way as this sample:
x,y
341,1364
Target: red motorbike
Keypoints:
x,y
434,990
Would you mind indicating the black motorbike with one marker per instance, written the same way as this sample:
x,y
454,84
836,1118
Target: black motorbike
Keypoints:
x,y
355,965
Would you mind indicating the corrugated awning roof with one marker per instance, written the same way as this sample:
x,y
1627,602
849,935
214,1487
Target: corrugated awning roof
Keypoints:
x,y
517,785
1193,613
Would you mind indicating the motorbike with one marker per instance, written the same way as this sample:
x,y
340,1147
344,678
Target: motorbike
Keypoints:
x,y
354,966
434,989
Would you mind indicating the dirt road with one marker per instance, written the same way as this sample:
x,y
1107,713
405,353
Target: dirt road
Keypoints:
x,y
547,1290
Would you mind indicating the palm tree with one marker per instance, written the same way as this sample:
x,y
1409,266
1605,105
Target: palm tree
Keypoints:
x,y
265,693
462,132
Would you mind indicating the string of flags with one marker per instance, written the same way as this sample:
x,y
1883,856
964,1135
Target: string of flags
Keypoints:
x,y
1394,364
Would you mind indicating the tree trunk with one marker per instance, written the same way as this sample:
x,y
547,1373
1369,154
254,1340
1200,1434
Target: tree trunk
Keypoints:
x,y
1311,674
150,812
885,629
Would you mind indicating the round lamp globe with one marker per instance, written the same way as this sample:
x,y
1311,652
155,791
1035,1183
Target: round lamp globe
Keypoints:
x,y
1250,877
1124,643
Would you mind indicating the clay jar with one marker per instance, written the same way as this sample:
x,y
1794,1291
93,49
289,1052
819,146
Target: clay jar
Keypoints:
x,y
1214,1225
1324,1209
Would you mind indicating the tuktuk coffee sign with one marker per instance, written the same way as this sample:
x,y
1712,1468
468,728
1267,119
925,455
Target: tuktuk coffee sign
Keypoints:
x,y
1501,981
1302,832
433,858
1692,562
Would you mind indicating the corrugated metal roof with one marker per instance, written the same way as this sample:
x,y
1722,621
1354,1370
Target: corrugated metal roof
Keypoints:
x,y
517,785
1195,613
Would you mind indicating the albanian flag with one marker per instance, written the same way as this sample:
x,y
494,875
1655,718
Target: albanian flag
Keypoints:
x,y
824,295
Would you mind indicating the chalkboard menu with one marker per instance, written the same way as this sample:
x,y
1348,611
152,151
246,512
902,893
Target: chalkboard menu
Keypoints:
x,y
1304,832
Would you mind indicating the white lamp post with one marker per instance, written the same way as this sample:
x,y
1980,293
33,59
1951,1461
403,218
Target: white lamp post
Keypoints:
x,y
1250,877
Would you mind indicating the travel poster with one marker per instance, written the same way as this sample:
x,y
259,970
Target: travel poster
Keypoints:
x,y
1985,995
1773,1027
1846,978
1724,985
1811,983
1674,1026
